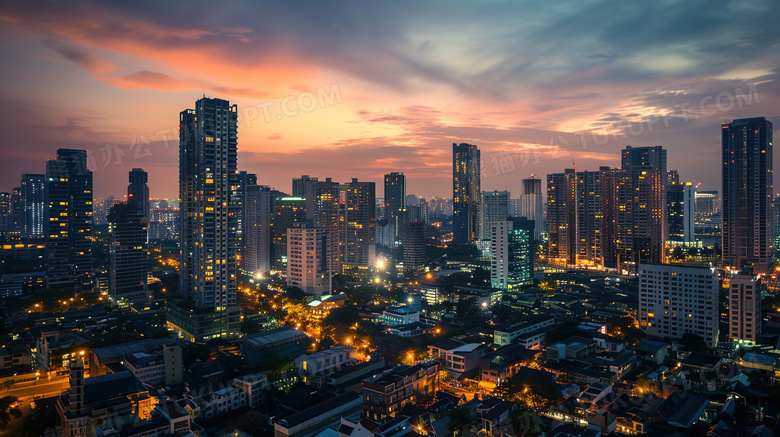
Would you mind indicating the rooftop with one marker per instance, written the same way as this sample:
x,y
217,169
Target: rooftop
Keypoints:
x,y
273,336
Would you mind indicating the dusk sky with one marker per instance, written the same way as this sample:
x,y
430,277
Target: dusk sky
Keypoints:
x,y
359,89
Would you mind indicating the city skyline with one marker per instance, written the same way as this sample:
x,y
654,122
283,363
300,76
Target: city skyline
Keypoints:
x,y
514,88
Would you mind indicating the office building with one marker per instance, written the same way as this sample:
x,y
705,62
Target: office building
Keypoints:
x,y
16,210
6,214
744,307
680,204
245,180
511,254
68,218
532,205
163,220
33,205
286,212
495,208
209,213
127,254
138,191
358,236
413,243
675,300
747,194
466,193
101,208
307,259
258,208
395,198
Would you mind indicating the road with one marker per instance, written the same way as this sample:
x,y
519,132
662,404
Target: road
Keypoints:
x,y
40,388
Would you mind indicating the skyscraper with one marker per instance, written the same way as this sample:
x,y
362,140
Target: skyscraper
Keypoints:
x,y
680,206
358,242
138,191
495,208
258,208
16,210
747,193
127,256
466,193
532,205
395,197
245,180
33,204
68,218
209,215
6,214
641,206
561,218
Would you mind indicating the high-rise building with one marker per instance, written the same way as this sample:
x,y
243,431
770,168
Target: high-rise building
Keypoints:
x,y
413,243
127,256
286,212
395,197
101,208
307,259
747,194
776,224
323,200
641,206
299,185
33,204
164,220
589,216
68,218
495,208
532,205
358,241
209,215
561,218
511,254
16,210
675,300
466,193
138,191
680,205
245,180
707,221
258,208
744,307
6,215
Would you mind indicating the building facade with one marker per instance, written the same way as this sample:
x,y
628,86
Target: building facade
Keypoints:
x,y
127,254
495,208
209,215
33,188
747,194
358,228
466,193
307,259
675,300
744,307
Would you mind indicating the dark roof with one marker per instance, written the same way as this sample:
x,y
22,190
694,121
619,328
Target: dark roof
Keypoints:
x,y
698,359
323,407
689,412
102,387
448,344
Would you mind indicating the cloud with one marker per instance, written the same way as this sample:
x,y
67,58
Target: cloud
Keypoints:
x,y
89,62
164,82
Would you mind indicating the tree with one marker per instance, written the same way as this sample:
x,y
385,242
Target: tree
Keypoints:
x,y
460,418
7,384
36,423
252,424
9,410
532,390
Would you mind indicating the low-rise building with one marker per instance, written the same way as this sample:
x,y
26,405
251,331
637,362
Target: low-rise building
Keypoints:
x,y
323,362
286,342
322,415
506,333
164,367
458,358
571,349
498,366
385,394
253,388
400,316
